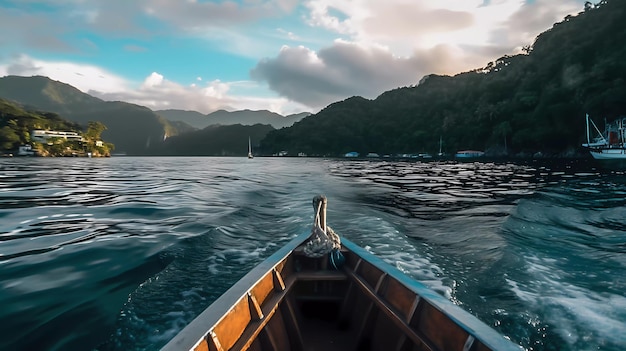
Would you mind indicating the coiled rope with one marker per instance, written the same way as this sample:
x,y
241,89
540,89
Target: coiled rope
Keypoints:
x,y
323,239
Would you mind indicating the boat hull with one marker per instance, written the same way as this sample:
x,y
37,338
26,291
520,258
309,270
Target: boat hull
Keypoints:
x,y
609,154
294,302
469,154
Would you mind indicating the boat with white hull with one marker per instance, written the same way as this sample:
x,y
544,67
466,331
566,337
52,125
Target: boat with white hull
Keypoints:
x,y
250,149
607,145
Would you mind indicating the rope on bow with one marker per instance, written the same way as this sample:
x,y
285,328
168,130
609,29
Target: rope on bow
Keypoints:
x,y
323,239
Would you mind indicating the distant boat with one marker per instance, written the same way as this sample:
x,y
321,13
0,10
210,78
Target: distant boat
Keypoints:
x,y
250,149
469,154
610,145
440,154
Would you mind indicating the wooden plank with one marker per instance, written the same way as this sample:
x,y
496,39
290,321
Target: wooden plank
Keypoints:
x,y
277,333
255,327
440,330
321,276
267,339
263,287
279,283
413,310
202,346
369,273
214,344
255,308
229,329
292,324
487,338
193,334
394,316
403,342
399,297
370,314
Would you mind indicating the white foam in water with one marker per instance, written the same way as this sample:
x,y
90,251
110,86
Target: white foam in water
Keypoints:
x,y
577,314
386,242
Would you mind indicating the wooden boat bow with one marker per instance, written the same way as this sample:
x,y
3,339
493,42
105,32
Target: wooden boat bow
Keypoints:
x,y
294,302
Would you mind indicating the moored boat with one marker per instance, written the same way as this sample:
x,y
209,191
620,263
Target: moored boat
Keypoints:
x,y
607,145
250,149
469,154
345,299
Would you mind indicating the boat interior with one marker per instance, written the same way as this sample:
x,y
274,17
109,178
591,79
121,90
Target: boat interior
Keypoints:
x,y
299,303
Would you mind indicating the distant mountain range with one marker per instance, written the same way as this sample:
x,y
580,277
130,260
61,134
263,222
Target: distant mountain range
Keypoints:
x,y
133,129
221,117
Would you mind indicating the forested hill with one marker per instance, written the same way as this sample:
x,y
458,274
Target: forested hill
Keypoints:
x,y
215,140
16,123
132,128
516,105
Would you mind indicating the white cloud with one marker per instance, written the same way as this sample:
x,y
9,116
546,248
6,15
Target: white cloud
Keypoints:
x,y
408,25
395,43
152,81
84,77
345,69
158,93
155,92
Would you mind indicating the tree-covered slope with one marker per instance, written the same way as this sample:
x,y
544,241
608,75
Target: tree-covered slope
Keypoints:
x,y
214,140
17,123
131,128
522,104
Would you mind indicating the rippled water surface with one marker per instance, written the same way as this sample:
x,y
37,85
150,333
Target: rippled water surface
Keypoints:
x,y
122,253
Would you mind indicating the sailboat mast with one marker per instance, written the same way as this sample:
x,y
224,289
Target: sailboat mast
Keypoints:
x,y
249,149
587,117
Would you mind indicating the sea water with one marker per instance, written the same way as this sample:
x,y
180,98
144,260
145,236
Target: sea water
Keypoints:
x,y
121,253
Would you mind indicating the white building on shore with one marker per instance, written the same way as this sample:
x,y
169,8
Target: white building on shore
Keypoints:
x,y
42,136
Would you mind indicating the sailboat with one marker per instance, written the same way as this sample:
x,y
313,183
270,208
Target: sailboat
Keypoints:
x,y
249,149
440,154
610,145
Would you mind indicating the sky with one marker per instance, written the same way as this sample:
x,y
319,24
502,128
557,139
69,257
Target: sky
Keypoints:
x,y
286,56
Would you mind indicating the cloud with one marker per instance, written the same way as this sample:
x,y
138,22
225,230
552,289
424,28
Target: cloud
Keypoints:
x,y
346,69
84,77
33,30
404,26
155,91
48,26
394,43
158,93
199,14
533,18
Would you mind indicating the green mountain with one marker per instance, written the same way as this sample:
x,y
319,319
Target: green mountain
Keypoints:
x,y
214,140
16,124
517,105
131,128
222,117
